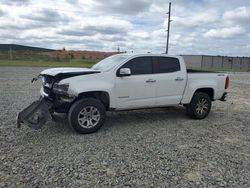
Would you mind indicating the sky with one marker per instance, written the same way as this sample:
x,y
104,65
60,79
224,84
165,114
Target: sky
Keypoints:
x,y
208,27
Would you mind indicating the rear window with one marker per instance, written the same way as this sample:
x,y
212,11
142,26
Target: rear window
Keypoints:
x,y
168,65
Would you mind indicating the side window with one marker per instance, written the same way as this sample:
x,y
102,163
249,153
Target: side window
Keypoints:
x,y
168,64
140,65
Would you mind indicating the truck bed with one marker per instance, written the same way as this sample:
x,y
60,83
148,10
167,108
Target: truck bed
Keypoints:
x,y
200,71
207,79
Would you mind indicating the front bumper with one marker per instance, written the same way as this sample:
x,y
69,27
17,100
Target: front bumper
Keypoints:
x,y
42,110
35,115
50,102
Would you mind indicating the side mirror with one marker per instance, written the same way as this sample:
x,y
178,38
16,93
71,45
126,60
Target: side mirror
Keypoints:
x,y
124,72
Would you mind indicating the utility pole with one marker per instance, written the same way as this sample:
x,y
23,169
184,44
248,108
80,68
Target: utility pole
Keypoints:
x,y
10,52
169,20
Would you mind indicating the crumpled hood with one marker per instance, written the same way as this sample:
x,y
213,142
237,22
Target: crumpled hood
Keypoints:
x,y
71,71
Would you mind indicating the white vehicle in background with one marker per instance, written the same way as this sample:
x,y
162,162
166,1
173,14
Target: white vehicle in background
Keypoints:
x,y
123,82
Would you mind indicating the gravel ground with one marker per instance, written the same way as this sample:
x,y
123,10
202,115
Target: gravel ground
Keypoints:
x,y
144,148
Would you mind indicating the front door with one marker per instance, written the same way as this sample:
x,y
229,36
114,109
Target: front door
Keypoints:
x,y
138,89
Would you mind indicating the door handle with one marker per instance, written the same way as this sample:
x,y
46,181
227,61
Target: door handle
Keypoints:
x,y
179,79
151,81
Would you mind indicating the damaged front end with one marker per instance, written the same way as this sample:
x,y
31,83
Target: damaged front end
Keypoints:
x,y
55,97
40,111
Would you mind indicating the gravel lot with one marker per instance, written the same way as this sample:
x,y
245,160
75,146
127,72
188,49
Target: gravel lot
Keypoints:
x,y
145,148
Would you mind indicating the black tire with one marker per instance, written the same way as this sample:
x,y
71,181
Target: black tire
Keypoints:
x,y
196,104
82,106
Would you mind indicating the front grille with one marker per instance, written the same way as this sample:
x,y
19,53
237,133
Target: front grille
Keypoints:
x,y
46,90
49,79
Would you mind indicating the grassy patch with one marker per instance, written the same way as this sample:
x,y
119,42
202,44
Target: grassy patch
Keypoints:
x,y
37,63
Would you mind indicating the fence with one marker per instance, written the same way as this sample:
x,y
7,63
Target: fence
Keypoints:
x,y
218,62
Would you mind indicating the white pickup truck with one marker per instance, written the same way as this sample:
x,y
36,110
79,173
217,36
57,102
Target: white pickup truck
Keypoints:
x,y
123,82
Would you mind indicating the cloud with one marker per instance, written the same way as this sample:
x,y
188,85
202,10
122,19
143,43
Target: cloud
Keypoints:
x,y
15,2
239,15
32,21
1,12
140,34
20,25
196,18
225,33
105,29
76,32
46,16
108,26
121,6
72,1
133,25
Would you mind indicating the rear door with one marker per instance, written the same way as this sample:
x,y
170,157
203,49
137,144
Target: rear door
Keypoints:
x,y
171,80
137,90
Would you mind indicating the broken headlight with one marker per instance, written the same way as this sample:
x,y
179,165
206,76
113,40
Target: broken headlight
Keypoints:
x,y
47,81
43,80
60,88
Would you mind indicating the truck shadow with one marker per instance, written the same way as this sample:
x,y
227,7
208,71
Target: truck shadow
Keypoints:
x,y
129,119
140,117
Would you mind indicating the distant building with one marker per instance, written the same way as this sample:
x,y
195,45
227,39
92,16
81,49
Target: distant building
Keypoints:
x,y
218,62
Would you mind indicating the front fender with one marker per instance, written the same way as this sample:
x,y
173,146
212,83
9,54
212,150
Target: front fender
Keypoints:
x,y
91,83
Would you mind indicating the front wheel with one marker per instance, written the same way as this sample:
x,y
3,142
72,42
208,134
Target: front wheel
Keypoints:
x,y
199,106
87,115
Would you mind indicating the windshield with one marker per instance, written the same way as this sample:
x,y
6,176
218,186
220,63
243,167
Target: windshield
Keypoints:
x,y
109,62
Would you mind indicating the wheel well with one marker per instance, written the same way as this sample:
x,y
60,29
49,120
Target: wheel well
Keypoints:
x,y
208,91
101,95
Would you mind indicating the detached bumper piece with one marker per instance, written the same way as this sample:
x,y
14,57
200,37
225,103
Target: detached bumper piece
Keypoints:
x,y
224,96
35,115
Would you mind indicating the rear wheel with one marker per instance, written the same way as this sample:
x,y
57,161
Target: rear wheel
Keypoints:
x,y
200,106
87,115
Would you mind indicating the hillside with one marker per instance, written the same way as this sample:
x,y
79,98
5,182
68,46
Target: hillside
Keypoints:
x,y
16,47
20,52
